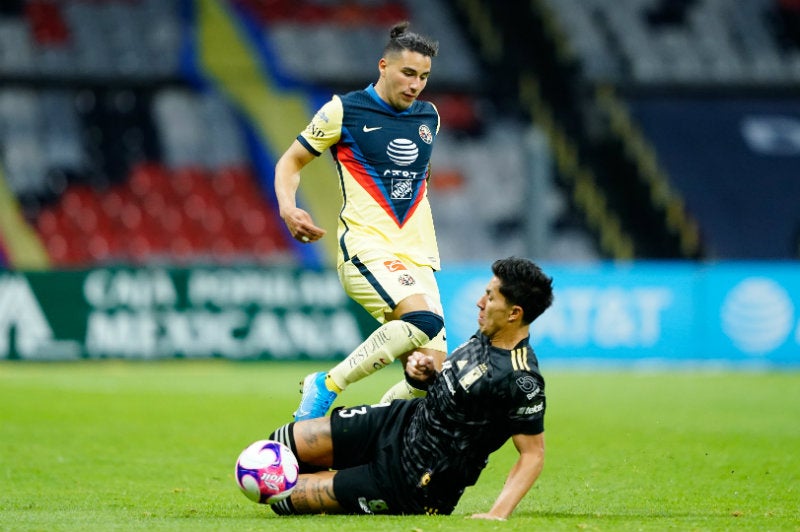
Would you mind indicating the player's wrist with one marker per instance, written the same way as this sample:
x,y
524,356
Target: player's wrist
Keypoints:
x,y
419,384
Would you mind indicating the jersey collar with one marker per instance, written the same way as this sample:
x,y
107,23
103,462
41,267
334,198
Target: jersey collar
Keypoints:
x,y
486,340
374,95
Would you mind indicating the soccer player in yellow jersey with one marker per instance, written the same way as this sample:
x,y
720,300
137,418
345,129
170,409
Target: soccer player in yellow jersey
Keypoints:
x,y
381,139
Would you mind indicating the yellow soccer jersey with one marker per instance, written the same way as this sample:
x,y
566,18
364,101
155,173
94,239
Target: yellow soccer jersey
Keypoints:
x,y
382,157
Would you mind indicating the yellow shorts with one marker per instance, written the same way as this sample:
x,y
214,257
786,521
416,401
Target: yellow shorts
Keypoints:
x,y
378,281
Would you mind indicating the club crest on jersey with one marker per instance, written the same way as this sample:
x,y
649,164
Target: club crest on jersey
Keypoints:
x,y
405,279
425,134
425,479
470,377
401,189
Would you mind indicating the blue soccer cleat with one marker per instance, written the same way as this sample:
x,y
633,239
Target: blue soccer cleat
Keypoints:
x,y
317,398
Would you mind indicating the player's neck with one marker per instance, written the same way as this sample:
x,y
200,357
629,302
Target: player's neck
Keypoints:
x,y
380,90
509,338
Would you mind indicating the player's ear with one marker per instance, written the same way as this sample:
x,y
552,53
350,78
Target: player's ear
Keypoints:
x,y
515,313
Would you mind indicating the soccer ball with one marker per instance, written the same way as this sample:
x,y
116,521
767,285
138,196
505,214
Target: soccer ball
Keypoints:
x,y
266,471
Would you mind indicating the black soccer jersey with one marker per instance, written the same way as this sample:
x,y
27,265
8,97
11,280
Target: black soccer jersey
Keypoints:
x,y
482,397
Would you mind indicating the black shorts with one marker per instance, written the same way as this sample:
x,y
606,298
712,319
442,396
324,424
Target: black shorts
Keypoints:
x,y
366,451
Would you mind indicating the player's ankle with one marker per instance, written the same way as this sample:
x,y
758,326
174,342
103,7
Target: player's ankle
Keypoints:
x,y
331,385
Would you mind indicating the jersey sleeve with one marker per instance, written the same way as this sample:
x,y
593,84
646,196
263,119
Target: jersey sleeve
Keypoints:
x,y
527,403
325,128
438,117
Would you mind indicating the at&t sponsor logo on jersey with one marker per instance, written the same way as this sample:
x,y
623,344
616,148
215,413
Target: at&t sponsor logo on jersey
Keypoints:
x,y
402,152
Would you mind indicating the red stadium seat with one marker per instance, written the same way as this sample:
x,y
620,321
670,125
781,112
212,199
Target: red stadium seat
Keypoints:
x,y
47,23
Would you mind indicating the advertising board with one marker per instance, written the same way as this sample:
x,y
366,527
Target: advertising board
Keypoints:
x,y
734,312
745,314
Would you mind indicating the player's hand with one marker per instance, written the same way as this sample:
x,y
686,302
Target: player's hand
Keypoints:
x,y
301,225
420,366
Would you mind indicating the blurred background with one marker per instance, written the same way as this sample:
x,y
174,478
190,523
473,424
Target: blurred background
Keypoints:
x,y
583,133
146,130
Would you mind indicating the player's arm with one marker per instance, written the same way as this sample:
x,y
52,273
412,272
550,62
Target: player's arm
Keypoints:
x,y
312,444
314,494
521,477
287,180
314,448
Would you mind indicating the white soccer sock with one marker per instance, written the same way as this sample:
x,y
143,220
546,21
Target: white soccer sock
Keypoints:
x,y
402,390
389,341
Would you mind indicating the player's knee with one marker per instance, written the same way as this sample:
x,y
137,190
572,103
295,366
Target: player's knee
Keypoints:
x,y
426,321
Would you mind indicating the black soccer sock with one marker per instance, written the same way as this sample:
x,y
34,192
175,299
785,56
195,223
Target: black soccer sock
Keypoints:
x,y
284,507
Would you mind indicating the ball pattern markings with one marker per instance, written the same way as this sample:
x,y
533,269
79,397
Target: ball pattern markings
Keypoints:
x,y
266,471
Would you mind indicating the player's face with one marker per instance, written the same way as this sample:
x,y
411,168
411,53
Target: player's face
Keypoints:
x,y
403,76
495,311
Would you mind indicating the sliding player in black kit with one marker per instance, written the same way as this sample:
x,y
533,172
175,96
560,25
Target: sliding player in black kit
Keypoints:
x,y
418,456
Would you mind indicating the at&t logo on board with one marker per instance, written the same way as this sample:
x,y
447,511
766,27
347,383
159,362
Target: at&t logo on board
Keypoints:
x,y
758,316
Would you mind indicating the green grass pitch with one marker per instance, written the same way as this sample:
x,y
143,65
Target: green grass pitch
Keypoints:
x,y
115,445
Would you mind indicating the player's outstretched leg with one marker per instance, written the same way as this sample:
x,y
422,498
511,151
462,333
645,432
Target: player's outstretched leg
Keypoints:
x,y
387,342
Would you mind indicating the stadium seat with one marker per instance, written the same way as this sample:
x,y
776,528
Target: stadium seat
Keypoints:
x,y
47,23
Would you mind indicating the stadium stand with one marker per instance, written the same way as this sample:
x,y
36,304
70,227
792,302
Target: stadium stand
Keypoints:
x,y
97,94
118,150
327,48
113,156
674,123
696,42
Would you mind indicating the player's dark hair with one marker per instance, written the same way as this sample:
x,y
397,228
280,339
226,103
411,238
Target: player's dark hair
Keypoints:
x,y
401,39
523,283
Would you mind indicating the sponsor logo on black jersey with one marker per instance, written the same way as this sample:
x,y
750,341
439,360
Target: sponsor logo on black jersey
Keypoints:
x,y
528,385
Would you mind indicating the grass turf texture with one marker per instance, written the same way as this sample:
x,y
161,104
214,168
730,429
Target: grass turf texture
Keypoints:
x,y
121,445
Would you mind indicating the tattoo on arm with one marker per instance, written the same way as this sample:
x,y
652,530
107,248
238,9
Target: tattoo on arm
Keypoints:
x,y
314,494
